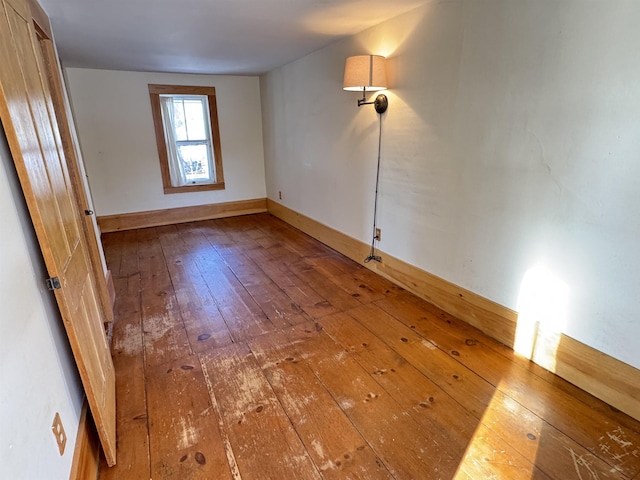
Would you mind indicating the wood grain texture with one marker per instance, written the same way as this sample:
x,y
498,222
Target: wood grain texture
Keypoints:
x,y
328,435
266,443
155,218
504,398
607,378
165,336
185,438
283,359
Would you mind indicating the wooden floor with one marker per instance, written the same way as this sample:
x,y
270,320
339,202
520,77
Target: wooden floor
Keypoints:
x,y
245,349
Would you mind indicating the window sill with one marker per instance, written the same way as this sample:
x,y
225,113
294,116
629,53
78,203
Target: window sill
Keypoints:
x,y
194,188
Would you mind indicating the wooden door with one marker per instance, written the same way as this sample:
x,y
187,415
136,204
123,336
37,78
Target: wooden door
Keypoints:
x,y
50,57
30,125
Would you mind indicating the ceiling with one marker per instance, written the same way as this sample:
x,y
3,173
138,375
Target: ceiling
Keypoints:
x,y
245,37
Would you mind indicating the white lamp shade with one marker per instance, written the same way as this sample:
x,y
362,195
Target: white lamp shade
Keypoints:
x,y
365,72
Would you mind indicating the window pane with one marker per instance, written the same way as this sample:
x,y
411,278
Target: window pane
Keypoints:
x,y
179,124
195,158
194,111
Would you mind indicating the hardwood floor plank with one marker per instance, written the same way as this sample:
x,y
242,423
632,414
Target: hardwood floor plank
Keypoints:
x,y
336,447
402,444
203,322
194,238
424,400
302,294
357,288
185,438
333,265
172,242
241,229
132,433
274,302
264,443
165,338
518,426
337,297
129,255
471,391
378,283
127,332
212,230
242,315
449,322
445,419
120,249
294,240
615,443
483,461
245,349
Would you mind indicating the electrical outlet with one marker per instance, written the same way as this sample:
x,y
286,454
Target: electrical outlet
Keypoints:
x,y
378,234
58,432
280,195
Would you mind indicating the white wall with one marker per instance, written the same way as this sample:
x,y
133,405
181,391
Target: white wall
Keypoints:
x,y
511,142
113,117
38,376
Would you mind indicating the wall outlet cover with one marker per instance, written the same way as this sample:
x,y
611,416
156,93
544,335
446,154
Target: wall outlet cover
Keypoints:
x,y
58,432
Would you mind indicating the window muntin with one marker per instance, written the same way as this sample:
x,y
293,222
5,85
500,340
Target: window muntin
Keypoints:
x,y
187,137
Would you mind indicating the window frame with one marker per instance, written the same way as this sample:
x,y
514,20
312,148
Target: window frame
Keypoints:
x,y
155,90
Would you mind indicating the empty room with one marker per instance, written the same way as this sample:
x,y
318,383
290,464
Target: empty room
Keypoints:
x,y
320,239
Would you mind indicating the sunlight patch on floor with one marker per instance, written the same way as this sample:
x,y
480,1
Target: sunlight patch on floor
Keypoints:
x,y
489,455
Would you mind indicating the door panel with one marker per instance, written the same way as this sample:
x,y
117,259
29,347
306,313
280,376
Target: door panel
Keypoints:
x,y
31,128
68,145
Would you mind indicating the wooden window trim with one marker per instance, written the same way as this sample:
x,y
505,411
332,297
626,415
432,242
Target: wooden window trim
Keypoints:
x,y
154,93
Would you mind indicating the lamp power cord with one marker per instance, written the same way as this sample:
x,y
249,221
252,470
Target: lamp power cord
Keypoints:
x,y
372,253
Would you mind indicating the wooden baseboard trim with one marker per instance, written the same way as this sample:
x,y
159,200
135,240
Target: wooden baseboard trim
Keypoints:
x,y
86,456
170,216
603,376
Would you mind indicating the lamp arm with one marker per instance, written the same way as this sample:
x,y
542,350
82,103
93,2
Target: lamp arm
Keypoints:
x,y
363,100
381,102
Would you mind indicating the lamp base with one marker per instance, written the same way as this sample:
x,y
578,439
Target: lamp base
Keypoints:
x,y
381,103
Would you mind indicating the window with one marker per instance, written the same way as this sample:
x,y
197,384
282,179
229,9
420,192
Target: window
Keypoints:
x,y
188,138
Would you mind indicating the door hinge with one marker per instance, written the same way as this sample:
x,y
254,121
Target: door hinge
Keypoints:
x,y
53,283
